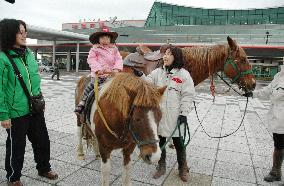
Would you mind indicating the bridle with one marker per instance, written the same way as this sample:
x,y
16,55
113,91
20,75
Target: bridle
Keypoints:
x,y
231,62
134,135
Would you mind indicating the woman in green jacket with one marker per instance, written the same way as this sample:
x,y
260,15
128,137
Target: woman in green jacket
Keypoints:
x,y
15,113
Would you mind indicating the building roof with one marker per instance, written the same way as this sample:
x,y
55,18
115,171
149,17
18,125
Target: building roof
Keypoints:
x,y
41,33
165,14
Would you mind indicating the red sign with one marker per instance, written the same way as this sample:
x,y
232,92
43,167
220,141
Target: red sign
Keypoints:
x,y
83,25
92,25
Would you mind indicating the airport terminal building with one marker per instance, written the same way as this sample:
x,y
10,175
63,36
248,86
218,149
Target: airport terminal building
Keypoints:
x,y
259,31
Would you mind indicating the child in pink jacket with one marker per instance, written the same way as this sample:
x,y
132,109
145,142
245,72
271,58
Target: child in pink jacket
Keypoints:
x,y
103,58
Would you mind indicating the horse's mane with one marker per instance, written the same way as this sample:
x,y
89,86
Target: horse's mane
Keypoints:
x,y
146,94
203,60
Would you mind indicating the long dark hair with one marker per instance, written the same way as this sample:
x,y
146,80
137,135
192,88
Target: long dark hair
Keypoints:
x,y
178,59
9,28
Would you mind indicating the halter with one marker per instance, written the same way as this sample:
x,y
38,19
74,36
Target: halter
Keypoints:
x,y
138,142
231,61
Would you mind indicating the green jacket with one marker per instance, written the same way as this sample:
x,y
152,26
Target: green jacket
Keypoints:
x,y
13,101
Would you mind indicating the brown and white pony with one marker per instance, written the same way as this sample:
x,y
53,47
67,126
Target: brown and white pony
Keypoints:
x,y
131,109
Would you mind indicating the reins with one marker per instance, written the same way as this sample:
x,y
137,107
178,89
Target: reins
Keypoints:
x,y
96,89
186,132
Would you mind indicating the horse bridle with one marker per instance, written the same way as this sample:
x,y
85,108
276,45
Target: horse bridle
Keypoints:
x,y
135,137
231,61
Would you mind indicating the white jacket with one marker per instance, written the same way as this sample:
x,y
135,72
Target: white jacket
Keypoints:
x,y
177,98
275,91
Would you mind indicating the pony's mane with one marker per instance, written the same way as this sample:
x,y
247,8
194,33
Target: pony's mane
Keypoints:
x,y
204,60
146,94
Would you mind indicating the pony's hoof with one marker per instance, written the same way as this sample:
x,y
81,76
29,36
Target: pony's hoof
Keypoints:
x,y
81,157
98,157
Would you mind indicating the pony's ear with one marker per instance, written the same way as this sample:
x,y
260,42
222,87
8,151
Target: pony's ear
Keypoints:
x,y
233,45
162,90
129,92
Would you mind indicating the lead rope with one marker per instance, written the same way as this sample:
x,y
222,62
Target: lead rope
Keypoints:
x,y
99,108
186,132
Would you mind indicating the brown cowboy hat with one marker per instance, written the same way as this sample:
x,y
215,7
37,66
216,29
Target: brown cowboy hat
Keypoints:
x,y
94,37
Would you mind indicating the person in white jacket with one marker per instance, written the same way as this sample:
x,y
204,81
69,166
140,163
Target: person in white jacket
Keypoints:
x,y
175,105
275,91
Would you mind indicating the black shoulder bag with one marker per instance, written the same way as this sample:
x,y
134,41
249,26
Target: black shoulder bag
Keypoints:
x,y
36,103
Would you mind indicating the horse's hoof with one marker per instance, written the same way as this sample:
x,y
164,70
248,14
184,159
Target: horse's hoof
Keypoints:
x,y
81,157
98,157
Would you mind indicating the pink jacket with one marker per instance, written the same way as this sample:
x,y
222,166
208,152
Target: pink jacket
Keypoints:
x,y
104,59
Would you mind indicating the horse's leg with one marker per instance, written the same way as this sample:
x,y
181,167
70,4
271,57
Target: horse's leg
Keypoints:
x,y
95,142
126,177
80,153
96,148
105,166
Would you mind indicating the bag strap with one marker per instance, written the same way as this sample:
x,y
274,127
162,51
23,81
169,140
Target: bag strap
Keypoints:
x,y
19,76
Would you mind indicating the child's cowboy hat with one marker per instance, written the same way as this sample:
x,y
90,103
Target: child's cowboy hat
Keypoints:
x,y
102,31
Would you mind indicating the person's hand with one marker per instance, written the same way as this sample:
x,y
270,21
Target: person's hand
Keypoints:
x,y
100,72
96,45
6,124
248,94
182,119
137,72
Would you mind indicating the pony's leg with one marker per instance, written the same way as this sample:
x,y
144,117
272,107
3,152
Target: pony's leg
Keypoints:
x,y
95,141
105,169
96,148
126,177
80,153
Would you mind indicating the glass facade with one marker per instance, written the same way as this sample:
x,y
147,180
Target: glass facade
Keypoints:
x,y
163,14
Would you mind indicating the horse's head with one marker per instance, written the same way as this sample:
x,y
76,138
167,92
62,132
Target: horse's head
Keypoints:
x,y
143,122
237,67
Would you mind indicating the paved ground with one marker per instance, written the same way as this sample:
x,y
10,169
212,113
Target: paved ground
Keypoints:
x,y
241,159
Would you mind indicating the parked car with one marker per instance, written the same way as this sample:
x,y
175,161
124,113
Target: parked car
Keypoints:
x,y
45,68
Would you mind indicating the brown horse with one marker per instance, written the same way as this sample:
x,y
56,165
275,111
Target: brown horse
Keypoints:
x,y
203,62
131,109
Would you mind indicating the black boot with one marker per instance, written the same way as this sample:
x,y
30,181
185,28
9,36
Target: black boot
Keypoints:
x,y
181,158
275,173
161,169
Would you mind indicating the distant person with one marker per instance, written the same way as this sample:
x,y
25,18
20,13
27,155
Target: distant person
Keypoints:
x,y
15,111
103,59
56,70
275,117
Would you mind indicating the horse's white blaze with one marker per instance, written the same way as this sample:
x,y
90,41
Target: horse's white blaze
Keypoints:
x,y
105,172
126,179
156,155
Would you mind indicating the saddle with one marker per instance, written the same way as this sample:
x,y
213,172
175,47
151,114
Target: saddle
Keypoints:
x,y
142,56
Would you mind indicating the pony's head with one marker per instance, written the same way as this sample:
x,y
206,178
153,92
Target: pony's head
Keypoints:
x,y
138,101
237,67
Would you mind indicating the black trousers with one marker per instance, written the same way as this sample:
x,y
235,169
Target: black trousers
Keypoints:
x,y
278,141
56,72
35,128
181,152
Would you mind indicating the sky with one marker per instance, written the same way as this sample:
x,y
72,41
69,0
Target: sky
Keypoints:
x,y
52,13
